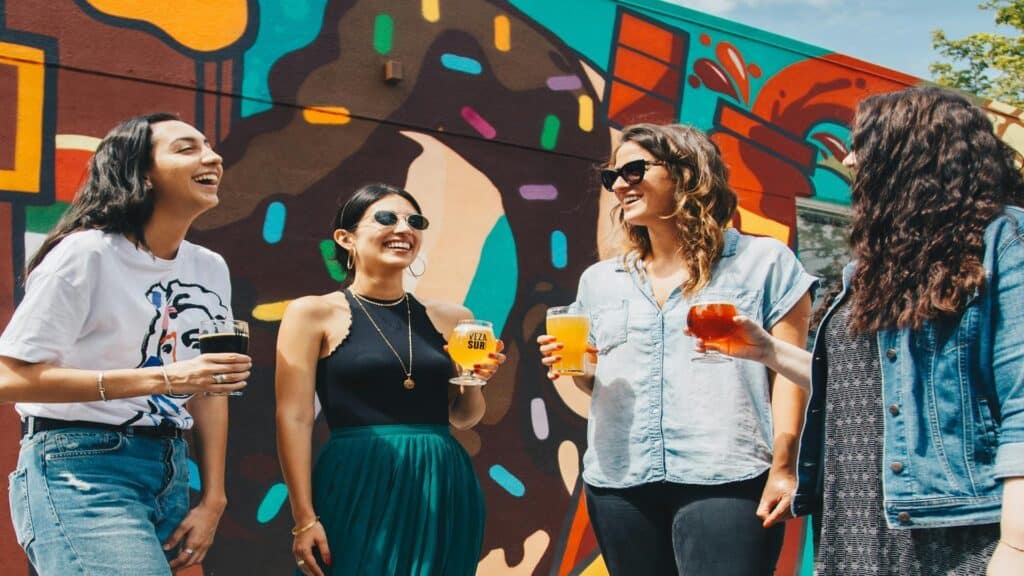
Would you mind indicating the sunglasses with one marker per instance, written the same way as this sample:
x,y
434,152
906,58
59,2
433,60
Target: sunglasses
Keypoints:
x,y
389,218
631,173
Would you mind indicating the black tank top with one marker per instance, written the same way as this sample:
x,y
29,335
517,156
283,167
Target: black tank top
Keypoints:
x,y
361,382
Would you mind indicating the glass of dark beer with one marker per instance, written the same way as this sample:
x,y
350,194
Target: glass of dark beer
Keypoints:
x,y
711,322
222,335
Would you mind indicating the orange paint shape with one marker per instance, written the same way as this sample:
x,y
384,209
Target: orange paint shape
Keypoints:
x,y
757,130
198,25
580,542
23,174
651,39
627,105
71,169
327,115
646,73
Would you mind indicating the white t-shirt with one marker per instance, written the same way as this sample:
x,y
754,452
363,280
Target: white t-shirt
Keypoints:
x,y
97,302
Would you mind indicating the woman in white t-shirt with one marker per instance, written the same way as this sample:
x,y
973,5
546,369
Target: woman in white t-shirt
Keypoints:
x,y
102,359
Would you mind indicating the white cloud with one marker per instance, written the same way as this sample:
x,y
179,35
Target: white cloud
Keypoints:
x,y
722,7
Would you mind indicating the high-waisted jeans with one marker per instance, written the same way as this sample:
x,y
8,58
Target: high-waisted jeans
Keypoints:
x,y
86,501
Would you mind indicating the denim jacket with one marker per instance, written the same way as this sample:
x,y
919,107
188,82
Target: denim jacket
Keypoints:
x,y
953,394
655,416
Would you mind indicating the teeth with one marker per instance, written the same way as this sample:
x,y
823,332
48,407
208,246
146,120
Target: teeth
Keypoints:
x,y
398,245
206,179
630,199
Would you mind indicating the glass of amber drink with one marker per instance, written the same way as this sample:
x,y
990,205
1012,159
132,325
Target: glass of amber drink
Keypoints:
x,y
711,322
571,327
471,343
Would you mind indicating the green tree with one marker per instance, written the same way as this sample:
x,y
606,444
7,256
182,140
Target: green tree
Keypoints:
x,y
990,65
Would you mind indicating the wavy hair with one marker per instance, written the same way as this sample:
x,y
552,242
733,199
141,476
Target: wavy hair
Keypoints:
x,y
114,197
704,202
931,175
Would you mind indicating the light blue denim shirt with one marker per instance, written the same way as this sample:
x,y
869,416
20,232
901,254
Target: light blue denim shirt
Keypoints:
x,y
953,394
655,416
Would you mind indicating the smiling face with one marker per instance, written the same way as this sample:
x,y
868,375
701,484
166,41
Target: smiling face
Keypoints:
x,y
650,200
378,246
185,173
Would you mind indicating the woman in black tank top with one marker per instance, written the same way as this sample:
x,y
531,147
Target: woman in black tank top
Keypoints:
x,y
392,491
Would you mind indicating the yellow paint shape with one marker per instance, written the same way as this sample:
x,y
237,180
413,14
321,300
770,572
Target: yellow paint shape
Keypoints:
x,y
495,564
759,225
463,206
1014,136
586,120
569,464
431,10
502,33
572,396
596,568
596,79
77,142
28,131
271,311
327,115
198,25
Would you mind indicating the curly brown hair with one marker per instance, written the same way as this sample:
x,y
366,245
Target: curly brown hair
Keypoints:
x,y
931,175
704,202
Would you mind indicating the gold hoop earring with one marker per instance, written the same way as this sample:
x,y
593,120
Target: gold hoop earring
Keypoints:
x,y
423,268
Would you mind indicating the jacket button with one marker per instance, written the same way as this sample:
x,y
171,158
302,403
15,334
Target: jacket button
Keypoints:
x,y
896,467
891,353
904,517
894,409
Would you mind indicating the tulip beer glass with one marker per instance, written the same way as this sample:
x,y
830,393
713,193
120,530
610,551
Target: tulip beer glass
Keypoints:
x,y
711,322
472,342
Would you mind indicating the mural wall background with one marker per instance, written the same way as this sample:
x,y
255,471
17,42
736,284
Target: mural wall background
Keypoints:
x,y
502,113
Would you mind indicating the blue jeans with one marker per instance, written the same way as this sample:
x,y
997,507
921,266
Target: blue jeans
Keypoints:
x,y
87,501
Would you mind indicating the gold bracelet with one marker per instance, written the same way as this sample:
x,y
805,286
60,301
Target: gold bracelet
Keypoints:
x,y
99,385
296,531
1017,548
167,381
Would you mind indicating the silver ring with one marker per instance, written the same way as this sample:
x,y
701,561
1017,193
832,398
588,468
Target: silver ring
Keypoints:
x,y
188,551
300,562
218,378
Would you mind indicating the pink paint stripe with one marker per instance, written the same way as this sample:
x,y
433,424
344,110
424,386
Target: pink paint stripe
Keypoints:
x,y
478,123
538,192
565,83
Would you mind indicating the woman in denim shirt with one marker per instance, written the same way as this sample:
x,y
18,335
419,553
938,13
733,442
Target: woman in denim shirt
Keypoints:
x,y
689,466
913,450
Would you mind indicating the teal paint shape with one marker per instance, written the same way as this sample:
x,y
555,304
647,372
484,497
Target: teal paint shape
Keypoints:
x,y
42,219
586,26
273,222
334,267
283,28
493,289
272,502
383,32
194,481
549,134
508,481
463,64
559,249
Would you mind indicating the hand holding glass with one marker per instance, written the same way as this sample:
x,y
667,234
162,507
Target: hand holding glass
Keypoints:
x,y
711,322
471,343
571,328
218,335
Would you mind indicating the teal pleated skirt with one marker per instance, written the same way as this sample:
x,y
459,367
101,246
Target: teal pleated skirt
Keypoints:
x,y
399,500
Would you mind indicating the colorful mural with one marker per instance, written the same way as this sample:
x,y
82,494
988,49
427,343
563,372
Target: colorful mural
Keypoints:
x,y
495,115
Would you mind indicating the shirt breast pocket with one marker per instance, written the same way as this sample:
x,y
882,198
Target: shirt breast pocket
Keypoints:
x,y
610,326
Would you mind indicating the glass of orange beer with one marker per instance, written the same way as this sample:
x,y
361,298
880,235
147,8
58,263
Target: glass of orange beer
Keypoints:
x,y
571,327
471,343
711,322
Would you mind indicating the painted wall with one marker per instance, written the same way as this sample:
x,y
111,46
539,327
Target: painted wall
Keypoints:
x,y
503,112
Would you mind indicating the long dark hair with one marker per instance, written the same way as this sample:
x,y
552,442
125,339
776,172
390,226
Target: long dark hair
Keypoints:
x,y
931,175
351,212
704,202
114,197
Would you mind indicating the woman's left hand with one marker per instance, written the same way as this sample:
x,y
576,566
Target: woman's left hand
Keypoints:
x,y
194,535
776,497
487,371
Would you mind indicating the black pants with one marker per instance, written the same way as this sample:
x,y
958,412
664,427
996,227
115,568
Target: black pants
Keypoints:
x,y
684,529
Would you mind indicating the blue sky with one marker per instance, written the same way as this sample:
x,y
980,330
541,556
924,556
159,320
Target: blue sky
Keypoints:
x,y
892,33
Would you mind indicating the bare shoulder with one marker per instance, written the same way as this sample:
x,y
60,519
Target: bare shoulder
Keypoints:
x,y
315,309
445,315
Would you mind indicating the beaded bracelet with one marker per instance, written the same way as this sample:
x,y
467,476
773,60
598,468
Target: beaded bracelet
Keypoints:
x,y
99,386
296,531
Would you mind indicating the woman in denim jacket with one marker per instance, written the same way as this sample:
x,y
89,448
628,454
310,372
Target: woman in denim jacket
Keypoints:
x,y
913,448
689,466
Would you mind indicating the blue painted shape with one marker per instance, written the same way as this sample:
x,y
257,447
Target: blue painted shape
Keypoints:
x,y
559,249
283,28
272,502
502,477
584,25
463,64
273,222
194,482
492,292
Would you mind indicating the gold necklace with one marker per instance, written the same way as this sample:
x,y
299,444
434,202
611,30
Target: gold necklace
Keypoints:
x,y
375,303
408,383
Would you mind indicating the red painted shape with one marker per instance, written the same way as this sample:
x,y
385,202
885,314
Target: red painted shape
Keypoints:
x,y
646,73
580,543
627,105
650,39
8,115
71,169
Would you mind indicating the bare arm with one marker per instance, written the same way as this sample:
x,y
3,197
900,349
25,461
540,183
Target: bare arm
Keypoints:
x,y
466,404
1009,555
752,342
788,403
299,341
22,381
